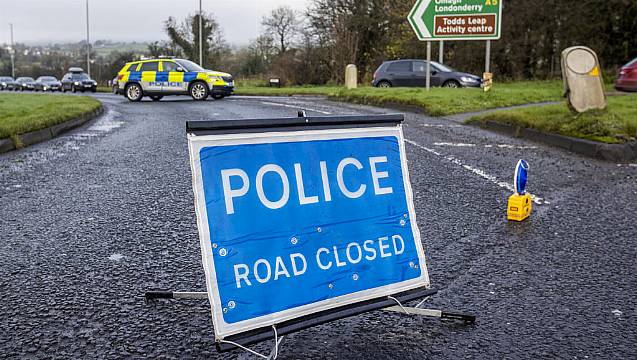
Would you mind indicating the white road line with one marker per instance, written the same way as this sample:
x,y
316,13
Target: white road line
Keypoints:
x,y
501,146
298,107
439,125
491,178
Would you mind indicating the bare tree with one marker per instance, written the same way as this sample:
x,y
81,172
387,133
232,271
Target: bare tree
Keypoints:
x,y
283,25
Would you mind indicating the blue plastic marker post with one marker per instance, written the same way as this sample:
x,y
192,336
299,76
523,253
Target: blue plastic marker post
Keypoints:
x,y
521,175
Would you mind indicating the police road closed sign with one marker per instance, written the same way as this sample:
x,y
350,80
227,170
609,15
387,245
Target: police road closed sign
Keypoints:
x,y
293,223
456,19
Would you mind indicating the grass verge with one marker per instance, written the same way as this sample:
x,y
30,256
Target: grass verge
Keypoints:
x,y
22,113
616,124
437,102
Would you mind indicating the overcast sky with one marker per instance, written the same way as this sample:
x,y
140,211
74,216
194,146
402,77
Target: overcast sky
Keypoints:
x,y
50,21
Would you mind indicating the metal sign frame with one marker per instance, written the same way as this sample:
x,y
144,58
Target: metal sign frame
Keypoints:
x,y
218,133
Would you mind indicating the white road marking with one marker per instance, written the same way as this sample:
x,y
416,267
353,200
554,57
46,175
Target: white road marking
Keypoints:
x,y
501,146
298,107
439,125
491,178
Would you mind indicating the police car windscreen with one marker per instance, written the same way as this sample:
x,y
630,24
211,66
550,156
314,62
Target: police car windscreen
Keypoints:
x,y
189,65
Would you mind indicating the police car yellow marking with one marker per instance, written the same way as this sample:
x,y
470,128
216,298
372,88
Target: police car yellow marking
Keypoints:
x,y
148,76
175,77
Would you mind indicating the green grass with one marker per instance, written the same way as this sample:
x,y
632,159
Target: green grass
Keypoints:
x,y
436,102
22,113
616,124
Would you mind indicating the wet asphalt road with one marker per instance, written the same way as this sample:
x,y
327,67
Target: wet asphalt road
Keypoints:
x,y
96,217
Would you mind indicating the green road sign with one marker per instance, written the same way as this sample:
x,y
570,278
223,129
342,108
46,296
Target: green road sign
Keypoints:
x,y
456,19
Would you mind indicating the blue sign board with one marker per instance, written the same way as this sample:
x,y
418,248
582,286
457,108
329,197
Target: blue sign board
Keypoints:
x,y
293,223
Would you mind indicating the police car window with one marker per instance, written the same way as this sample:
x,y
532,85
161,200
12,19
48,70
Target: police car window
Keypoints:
x,y
169,66
401,66
150,66
132,67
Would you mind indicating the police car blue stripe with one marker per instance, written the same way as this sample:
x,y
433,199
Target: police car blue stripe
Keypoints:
x,y
135,76
161,77
190,76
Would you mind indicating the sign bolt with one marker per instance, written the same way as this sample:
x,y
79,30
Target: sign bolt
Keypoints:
x,y
231,304
355,277
402,222
223,252
225,310
294,240
412,265
405,216
331,286
319,229
214,245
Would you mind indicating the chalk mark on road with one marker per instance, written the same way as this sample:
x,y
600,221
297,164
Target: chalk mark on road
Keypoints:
x,y
481,173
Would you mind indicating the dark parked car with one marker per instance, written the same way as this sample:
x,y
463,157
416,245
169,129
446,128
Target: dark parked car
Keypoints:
x,y
25,83
7,83
627,79
77,80
47,83
412,73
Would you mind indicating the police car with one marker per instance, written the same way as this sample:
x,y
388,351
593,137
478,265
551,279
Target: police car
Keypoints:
x,y
159,77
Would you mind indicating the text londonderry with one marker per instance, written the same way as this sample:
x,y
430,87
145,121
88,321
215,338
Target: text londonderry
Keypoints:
x,y
452,6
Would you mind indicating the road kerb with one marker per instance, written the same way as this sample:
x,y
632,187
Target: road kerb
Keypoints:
x,y
34,137
610,152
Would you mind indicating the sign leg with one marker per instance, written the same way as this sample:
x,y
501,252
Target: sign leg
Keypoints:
x,y
441,52
428,76
487,60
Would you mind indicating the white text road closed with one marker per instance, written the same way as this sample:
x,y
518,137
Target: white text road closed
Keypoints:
x,y
293,223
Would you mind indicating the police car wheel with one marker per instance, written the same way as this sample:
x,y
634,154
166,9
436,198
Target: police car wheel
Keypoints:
x,y
134,92
199,91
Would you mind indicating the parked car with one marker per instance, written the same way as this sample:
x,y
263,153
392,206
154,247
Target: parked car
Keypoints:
x,y
627,79
77,80
7,83
47,83
163,77
412,72
25,83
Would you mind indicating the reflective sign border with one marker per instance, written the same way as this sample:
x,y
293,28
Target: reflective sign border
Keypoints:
x,y
223,329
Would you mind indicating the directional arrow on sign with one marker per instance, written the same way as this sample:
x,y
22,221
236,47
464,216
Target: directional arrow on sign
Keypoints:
x,y
416,19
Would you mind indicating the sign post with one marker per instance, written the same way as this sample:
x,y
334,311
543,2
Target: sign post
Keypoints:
x,y
435,20
428,69
456,19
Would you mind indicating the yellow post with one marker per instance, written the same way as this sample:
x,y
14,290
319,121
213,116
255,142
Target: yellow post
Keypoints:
x,y
487,81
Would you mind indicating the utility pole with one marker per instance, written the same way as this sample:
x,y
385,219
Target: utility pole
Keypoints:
x,y
12,53
200,35
88,45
